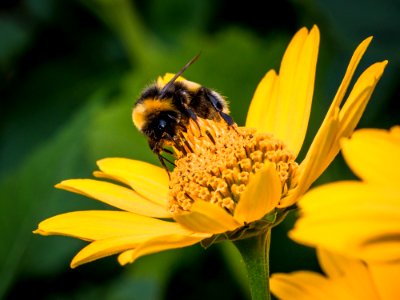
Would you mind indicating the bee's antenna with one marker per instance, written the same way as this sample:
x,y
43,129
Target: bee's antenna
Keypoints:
x,y
171,82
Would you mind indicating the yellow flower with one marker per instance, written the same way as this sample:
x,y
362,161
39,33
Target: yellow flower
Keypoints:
x,y
231,182
345,279
359,219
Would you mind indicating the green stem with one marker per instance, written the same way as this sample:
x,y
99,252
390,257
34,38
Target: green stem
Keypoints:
x,y
255,254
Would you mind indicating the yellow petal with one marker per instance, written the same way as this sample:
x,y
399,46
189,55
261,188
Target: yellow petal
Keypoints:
x,y
307,285
338,124
159,244
386,279
264,102
296,88
354,273
351,68
333,265
333,112
115,195
208,218
286,103
314,162
373,155
395,133
95,225
260,197
358,99
352,218
148,180
102,248
118,244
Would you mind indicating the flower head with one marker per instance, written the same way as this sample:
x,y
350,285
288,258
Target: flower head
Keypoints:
x,y
230,182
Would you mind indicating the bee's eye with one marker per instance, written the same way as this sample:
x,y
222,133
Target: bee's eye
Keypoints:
x,y
162,124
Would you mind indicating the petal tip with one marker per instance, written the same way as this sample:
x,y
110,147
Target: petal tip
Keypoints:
x,y
314,30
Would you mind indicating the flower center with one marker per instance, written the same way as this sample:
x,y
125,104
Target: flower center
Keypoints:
x,y
216,162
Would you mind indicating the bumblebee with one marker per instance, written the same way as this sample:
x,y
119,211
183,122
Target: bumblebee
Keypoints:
x,y
163,110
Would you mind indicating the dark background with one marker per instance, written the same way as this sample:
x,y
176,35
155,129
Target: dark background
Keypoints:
x,y
70,72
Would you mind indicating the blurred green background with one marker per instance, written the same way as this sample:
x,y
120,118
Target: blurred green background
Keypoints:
x,y
70,73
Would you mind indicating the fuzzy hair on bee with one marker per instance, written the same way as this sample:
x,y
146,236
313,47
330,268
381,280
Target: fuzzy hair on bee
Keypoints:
x,y
164,109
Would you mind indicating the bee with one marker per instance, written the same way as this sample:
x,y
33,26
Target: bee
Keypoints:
x,y
162,111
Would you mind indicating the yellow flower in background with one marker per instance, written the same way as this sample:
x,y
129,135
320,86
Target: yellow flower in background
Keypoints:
x,y
344,279
234,182
359,219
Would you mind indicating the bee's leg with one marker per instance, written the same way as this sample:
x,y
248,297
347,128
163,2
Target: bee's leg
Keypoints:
x,y
189,112
218,107
162,158
166,159
193,116
227,118
167,151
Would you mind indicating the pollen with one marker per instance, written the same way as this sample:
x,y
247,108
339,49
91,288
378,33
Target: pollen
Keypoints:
x,y
215,162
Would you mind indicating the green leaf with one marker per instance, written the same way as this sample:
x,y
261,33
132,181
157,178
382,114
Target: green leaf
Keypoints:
x,y
28,196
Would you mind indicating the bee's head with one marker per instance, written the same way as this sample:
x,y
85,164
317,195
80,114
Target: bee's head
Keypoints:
x,y
162,126
156,118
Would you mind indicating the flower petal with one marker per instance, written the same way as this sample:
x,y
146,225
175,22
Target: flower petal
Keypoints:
x,y
102,248
307,285
338,124
346,218
103,224
372,154
333,265
159,244
208,218
358,99
351,68
260,197
310,168
332,116
395,133
285,103
296,88
115,195
352,272
107,247
148,180
263,103
386,279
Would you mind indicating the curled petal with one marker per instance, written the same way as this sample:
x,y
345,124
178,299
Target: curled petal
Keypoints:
x,y
260,196
208,218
